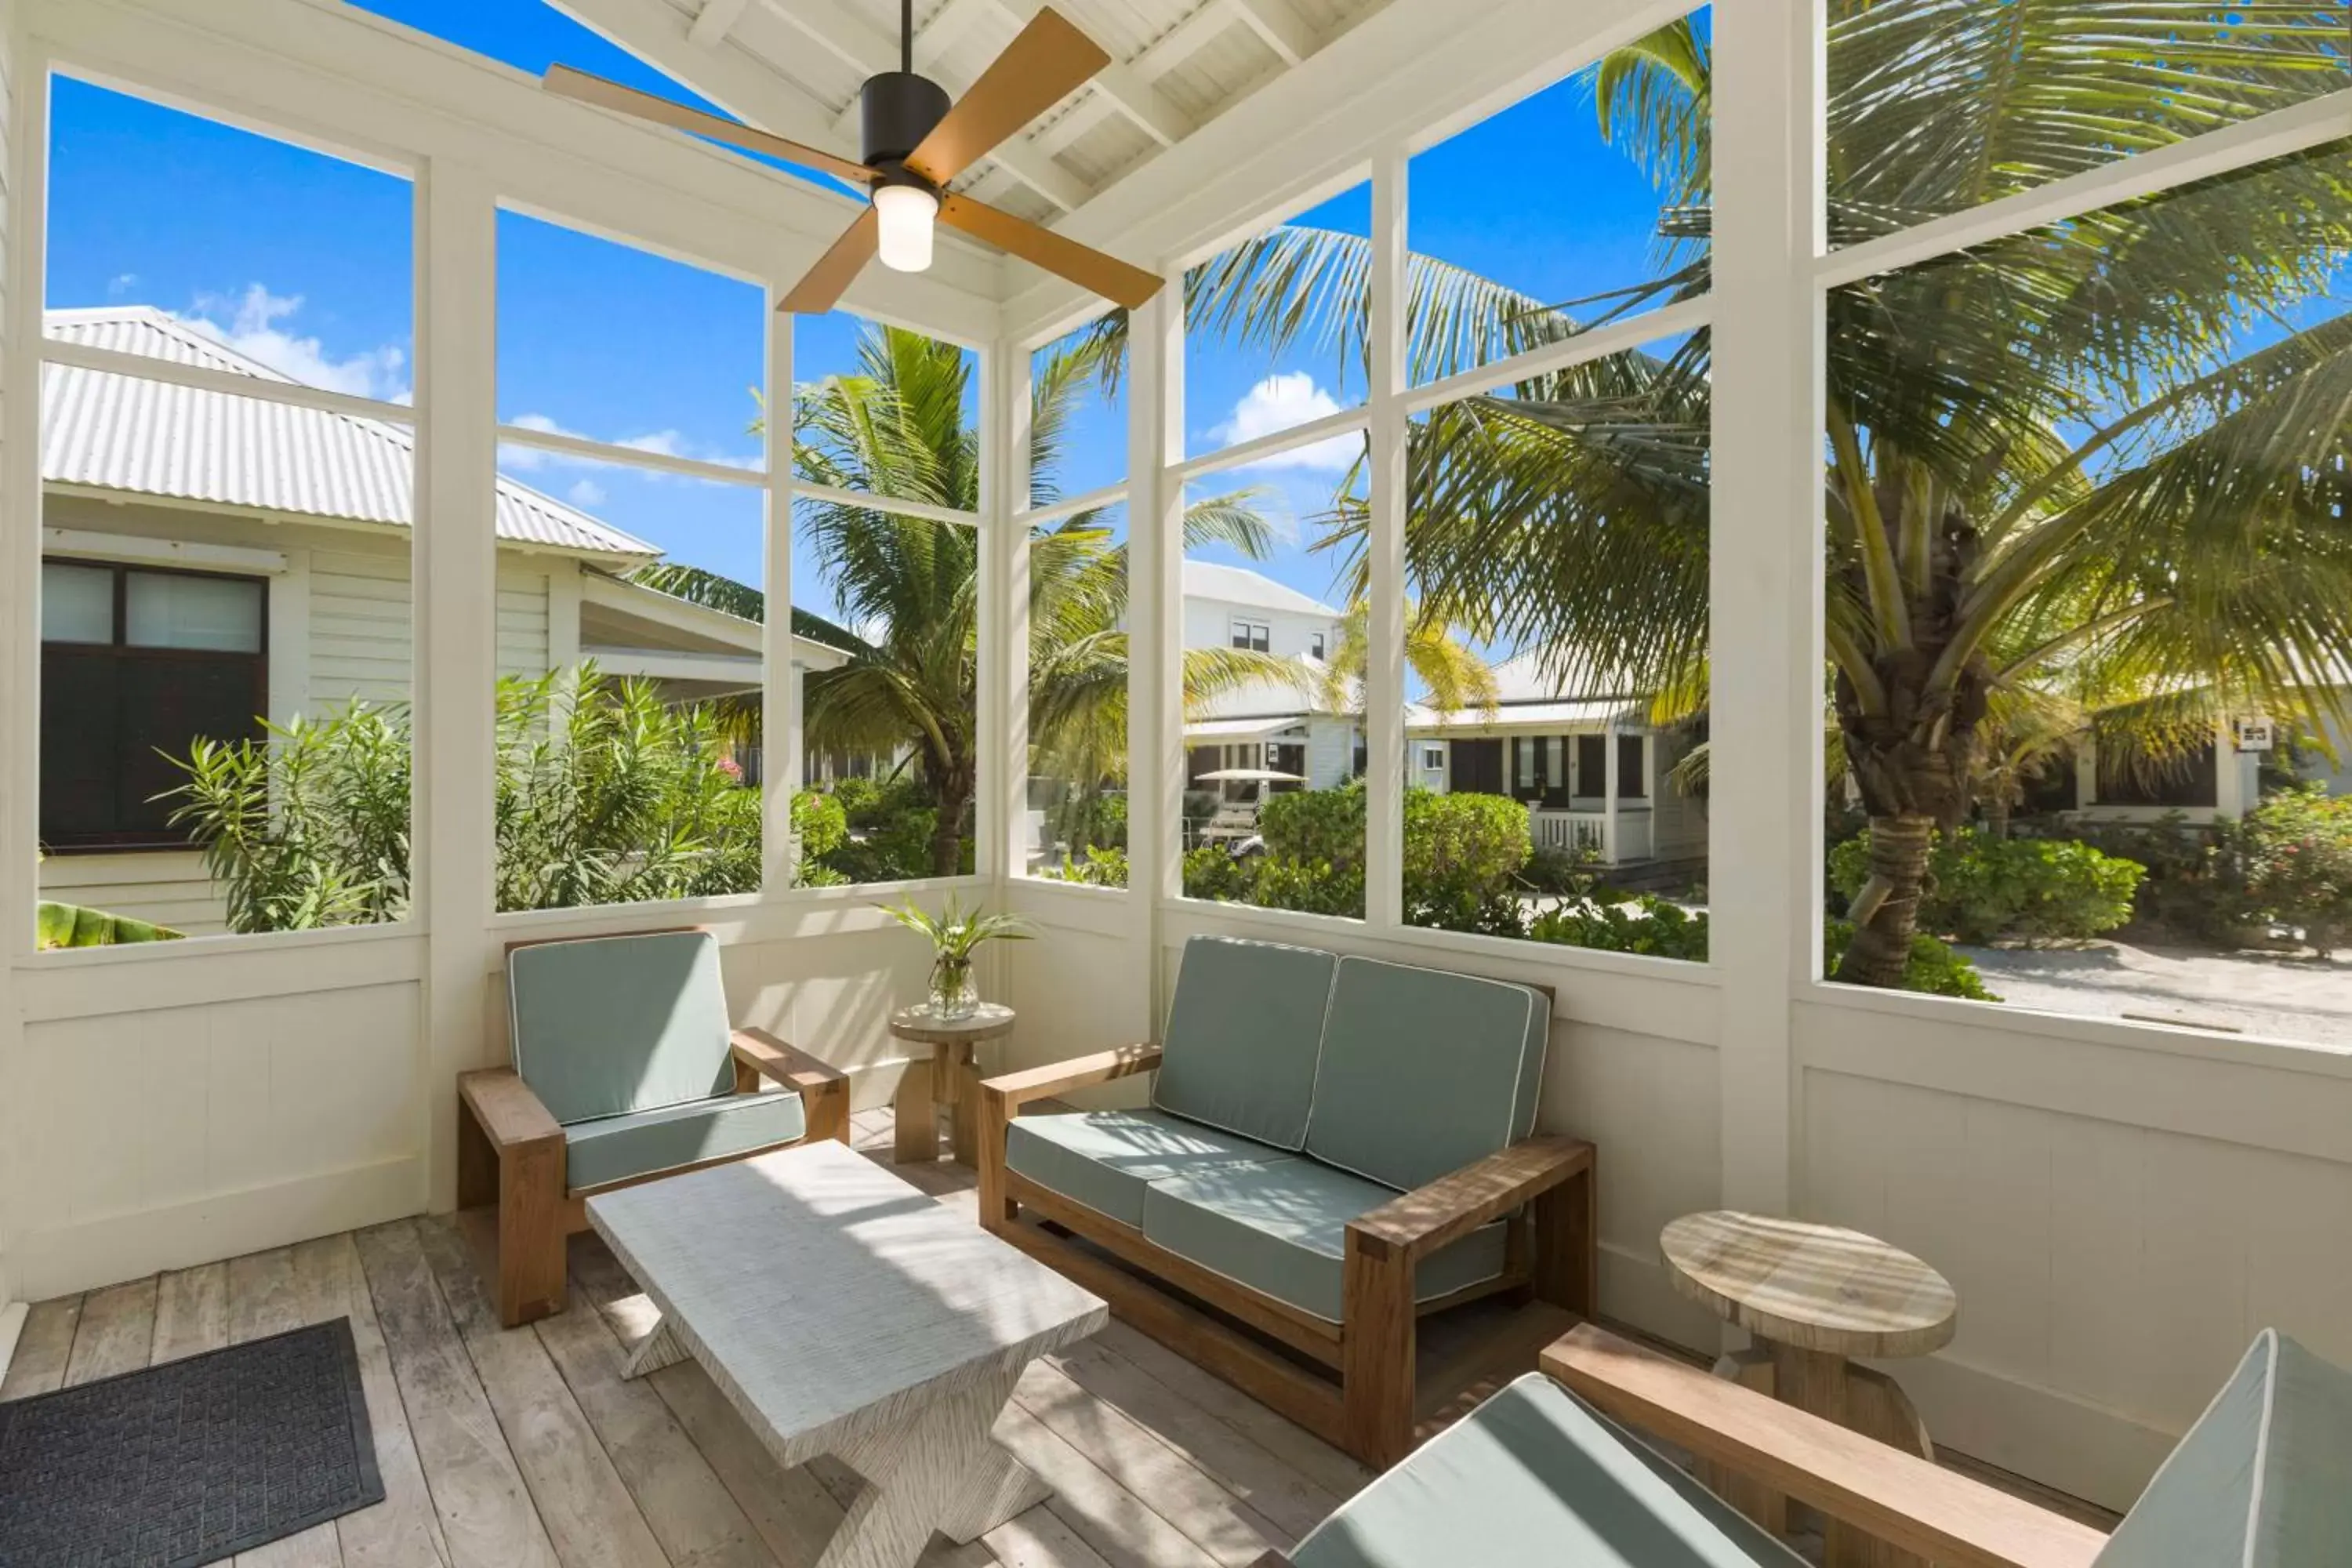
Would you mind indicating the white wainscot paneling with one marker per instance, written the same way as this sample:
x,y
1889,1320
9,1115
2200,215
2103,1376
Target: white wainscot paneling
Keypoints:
x,y
1649,1106
832,995
1074,989
2118,1224
141,1140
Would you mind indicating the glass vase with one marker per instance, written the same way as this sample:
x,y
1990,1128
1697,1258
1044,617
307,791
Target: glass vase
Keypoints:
x,y
954,994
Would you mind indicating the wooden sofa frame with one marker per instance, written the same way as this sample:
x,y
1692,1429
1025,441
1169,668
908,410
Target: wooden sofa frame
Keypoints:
x,y
1911,1504
512,1203
1370,1400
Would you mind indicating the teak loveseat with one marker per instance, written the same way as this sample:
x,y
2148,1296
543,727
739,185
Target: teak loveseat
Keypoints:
x,y
1335,1148
626,1070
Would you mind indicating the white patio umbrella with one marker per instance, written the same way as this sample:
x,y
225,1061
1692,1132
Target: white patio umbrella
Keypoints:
x,y
1247,775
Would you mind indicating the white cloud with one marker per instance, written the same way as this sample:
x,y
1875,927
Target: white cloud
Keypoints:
x,y
1285,402
122,283
587,493
257,328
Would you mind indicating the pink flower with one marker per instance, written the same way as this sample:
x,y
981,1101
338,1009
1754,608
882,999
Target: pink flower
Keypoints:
x,y
731,768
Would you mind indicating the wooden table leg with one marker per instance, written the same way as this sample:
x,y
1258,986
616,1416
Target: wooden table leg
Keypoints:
x,y
1865,1401
961,1083
1750,1368
1877,1406
915,1138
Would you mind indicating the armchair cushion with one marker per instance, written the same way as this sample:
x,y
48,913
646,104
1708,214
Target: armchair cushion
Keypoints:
x,y
608,1026
2259,1481
619,1148
1422,1072
1536,1480
1105,1159
1280,1226
1243,1034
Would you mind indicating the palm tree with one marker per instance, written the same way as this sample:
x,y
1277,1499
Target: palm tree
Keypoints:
x,y
1453,676
910,586
2105,461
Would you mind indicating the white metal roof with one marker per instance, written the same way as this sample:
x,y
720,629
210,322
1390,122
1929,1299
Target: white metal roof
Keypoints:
x,y
1254,590
152,438
1243,729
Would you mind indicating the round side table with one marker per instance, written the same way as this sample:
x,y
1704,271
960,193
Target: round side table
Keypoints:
x,y
1814,1296
951,1078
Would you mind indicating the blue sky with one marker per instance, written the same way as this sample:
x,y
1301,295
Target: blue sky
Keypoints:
x,y
304,261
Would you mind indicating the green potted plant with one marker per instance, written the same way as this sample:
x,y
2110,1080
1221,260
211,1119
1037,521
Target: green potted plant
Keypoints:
x,y
956,934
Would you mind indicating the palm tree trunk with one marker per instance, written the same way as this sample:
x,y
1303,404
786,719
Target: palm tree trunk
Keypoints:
x,y
1887,911
955,792
1996,812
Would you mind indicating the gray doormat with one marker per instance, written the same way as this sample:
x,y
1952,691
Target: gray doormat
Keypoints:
x,y
188,1462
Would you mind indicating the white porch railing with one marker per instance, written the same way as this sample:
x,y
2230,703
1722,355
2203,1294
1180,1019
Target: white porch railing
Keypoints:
x,y
1577,832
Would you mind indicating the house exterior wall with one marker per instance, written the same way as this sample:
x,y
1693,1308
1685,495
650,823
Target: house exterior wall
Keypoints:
x,y
340,627
1209,623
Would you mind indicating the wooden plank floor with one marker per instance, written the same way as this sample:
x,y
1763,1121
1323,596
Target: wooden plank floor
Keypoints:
x,y
526,1446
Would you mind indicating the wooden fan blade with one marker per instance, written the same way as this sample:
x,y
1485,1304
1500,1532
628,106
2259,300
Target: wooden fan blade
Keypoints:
x,y
1050,60
567,82
837,270
1088,267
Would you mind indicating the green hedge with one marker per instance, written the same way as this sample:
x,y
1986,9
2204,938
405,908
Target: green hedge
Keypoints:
x,y
1983,889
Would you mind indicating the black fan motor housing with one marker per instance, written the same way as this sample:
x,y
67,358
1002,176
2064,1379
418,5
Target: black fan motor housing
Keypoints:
x,y
900,109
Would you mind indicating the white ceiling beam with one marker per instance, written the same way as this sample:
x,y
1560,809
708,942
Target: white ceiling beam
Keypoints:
x,y
1276,22
868,50
1164,53
1125,87
728,78
715,21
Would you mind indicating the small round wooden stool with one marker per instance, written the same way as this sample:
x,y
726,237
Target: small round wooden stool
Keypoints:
x,y
951,1078
1814,1296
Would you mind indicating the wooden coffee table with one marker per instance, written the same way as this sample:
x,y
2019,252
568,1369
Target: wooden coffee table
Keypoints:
x,y
1814,1296
843,1311
951,1078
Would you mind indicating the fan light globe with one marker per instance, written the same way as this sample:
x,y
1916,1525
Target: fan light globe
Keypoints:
x,y
907,215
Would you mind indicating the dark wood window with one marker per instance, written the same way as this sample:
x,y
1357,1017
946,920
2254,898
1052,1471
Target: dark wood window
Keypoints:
x,y
1478,768
1632,778
1592,766
136,663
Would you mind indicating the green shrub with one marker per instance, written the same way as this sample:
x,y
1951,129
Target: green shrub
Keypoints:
x,y
2294,853
2194,887
1463,854
603,794
1651,927
1211,872
1932,968
1101,869
1981,889
1315,826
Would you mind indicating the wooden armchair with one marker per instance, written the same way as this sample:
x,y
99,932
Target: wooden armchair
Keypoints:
x,y
626,1071
1346,1296
1568,1474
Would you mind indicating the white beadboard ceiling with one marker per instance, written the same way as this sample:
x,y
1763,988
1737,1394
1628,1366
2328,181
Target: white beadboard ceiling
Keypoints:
x,y
1177,65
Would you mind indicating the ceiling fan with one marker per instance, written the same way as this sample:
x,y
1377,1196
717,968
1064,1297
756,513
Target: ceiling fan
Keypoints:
x,y
916,142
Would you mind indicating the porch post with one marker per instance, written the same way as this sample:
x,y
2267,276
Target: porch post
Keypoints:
x,y
1157,766
455,545
1765,570
1609,793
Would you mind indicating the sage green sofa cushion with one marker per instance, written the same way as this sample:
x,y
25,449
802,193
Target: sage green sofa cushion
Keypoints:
x,y
1534,1478
616,1148
1280,1226
1239,1051
2262,1480
607,1026
1105,1159
1424,1072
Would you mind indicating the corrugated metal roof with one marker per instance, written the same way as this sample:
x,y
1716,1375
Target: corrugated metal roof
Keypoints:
x,y
150,437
